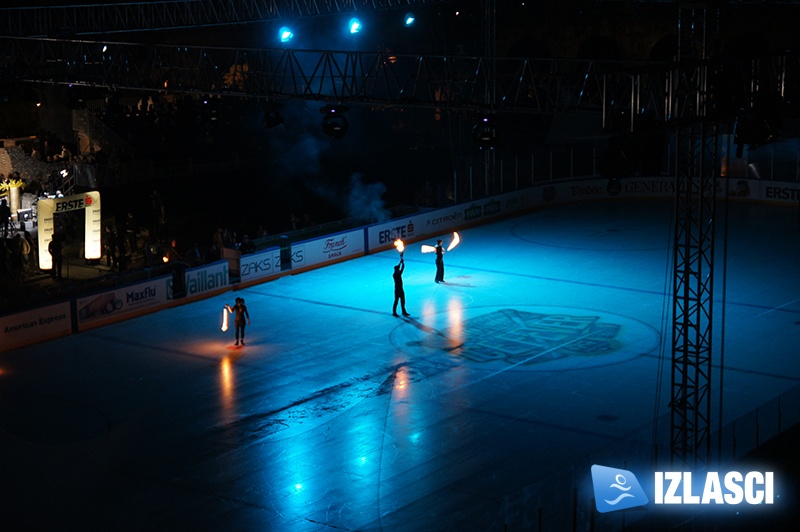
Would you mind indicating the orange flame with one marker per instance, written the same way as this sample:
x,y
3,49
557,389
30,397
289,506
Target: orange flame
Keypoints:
x,y
399,245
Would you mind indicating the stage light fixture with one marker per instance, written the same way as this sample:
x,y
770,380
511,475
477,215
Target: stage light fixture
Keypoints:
x,y
355,25
409,19
334,123
285,34
484,133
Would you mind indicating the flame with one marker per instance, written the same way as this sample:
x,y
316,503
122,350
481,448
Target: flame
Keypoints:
x,y
399,245
454,243
165,258
224,320
428,249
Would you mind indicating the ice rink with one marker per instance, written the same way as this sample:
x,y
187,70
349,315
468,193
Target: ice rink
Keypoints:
x,y
548,342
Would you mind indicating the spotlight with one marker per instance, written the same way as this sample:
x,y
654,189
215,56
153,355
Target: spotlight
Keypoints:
x,y
355,25
334,123
484,133
285,34
409,19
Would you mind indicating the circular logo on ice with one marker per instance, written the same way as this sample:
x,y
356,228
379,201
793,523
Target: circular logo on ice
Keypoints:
x,y
547,338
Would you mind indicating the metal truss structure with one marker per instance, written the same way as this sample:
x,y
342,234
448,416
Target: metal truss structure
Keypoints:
x,y
147,16
622,91
697,168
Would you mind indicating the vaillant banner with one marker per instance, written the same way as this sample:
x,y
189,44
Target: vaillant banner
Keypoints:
x,y
48,208
208,278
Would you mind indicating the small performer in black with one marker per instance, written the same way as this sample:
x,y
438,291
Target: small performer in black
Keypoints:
x,y
439,261
240,311
399,293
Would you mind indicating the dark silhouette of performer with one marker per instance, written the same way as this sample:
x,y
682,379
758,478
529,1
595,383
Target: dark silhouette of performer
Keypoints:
x,y
439,261
399,293
240,311
56,250
5,216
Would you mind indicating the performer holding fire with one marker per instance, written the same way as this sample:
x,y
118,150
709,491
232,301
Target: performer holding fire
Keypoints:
x,y
240,311
399,293
439,249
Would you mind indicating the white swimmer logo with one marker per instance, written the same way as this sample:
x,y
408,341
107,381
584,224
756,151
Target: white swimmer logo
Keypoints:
x,y
614,491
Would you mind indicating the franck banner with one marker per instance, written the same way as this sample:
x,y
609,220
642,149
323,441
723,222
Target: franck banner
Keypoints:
x,y
332,248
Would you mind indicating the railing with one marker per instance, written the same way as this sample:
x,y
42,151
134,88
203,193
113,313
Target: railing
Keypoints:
x,y
563,499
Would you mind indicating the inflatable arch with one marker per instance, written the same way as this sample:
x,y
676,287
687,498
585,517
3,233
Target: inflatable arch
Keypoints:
x,y
49,207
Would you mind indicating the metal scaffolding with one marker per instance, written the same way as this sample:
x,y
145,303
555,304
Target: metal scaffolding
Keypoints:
x,y
697,168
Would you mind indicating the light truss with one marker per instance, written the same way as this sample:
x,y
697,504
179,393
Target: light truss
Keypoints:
x,y
173,14
522,84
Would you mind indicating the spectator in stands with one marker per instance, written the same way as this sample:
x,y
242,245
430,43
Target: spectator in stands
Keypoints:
x,y
247,245
5,216
110,244
193,255
36,154
56,250
130,233
65,154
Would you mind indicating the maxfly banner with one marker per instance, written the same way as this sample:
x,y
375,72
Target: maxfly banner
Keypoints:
x,y
35,326
116,304
333,247
203,279
261,265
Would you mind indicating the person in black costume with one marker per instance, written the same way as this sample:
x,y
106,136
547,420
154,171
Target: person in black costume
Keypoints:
x,y
56,250
399,293
5,217
439,261
240,311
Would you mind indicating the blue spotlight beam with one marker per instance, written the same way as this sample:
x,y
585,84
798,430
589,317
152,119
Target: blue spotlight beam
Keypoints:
x,y
171,14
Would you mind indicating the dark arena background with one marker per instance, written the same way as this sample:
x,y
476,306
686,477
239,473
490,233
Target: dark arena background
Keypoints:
x,y
616,184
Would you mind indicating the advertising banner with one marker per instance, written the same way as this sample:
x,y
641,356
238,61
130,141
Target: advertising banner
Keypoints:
x,y
332,247
49,207
35,326
443,221
260,265
770,191
203,279
115,304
